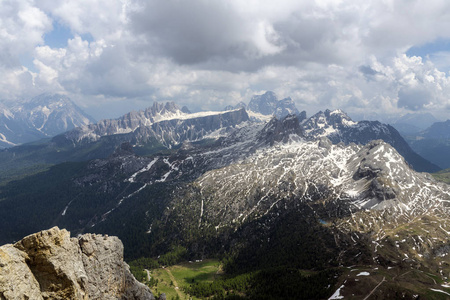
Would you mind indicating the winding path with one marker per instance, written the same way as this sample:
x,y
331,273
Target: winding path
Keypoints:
x,y
174,283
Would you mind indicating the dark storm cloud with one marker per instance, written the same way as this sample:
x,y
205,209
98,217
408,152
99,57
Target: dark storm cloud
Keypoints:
x,y
191,32
214,35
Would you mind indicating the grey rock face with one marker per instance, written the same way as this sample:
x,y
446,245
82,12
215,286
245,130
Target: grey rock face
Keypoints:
x,y
166,124
264,104
281,131
268,104
237,106
51,265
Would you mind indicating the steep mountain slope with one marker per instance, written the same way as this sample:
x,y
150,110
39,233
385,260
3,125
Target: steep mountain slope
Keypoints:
x,y
338,127
168,124
43,116
263,196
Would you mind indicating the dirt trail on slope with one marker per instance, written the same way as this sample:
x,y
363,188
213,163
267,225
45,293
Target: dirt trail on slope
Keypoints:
x,y
367,297
174,283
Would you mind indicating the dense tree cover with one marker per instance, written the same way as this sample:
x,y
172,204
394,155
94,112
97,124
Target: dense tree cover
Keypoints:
x,y
268,262
137,222
145,263
177,255
274,283
137,266
292,241
34,203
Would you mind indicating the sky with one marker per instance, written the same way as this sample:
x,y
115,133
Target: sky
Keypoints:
x,y
112,56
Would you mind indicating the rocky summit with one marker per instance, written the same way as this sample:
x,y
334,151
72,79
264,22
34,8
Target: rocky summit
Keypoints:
x,y
52,265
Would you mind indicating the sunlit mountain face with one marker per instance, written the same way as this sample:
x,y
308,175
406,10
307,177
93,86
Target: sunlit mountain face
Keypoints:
x,y
342,199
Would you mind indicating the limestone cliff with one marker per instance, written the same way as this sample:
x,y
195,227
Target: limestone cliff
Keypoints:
x,y
52,265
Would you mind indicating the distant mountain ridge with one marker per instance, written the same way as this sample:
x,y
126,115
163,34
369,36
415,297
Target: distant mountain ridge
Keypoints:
x,y
164,126
438,130
414,122
433,143
268,104
43,116
166,123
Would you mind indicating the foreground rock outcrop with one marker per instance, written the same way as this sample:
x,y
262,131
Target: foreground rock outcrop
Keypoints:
x,y
52,265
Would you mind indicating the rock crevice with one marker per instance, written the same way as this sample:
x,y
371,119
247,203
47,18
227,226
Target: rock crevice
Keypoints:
x,y
52,265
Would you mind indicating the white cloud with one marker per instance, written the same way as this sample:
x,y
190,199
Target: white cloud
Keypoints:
x,y
324,54
22,26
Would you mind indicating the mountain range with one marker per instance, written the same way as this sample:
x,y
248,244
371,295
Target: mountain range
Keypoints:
x,y
41,117
414,123
338,200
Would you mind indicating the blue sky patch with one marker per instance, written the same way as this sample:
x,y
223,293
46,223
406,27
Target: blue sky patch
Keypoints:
x,y
57,38
440,45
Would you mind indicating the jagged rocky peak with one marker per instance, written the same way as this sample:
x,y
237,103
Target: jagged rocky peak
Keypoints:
x,y
339,127
286,107
237,106
338,117
301,116
163,108
54,114
268,104
328,118
264,104
52,265
185,110
281,130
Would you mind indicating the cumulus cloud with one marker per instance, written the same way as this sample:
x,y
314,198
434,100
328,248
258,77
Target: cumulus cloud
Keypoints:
x,y
22,26
206,54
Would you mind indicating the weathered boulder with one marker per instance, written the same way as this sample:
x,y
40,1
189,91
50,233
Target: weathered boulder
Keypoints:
x,y
16,279
52,265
